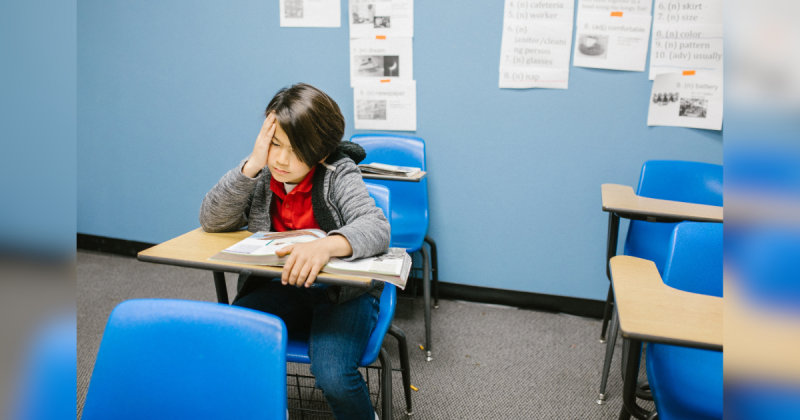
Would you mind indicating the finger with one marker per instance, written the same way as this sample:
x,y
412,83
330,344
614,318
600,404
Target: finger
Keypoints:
x,y
295,272
304,272
287,269
285,250
312,275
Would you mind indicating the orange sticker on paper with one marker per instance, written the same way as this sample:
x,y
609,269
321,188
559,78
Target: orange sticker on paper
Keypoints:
x,y
616,14
380,36
386,80
688,72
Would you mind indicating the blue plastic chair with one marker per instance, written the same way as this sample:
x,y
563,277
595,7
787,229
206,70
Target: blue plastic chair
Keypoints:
x,y
173,359
686,383
409,209
690,182
297,350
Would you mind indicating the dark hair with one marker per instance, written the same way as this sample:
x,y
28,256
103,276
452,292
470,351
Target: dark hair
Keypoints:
x,y
311,120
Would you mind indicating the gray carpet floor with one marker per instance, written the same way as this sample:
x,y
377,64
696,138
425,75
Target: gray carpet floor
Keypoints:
x,y
490,362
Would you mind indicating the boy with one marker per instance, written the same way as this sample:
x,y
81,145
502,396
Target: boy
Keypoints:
x,y
300,175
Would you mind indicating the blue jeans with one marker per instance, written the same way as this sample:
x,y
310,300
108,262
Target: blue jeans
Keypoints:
x,y
337,334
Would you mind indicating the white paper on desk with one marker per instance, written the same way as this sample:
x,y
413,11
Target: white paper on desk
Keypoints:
x,y
385,105
369,18
536,43
375,58
687,100
610,41
607,6
311,13
687,35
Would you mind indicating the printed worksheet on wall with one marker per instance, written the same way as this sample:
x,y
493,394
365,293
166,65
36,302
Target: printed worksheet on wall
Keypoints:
x,y
687,35
536,43
311,13
385,104
381,57
614,41
612,34
369,18
687,99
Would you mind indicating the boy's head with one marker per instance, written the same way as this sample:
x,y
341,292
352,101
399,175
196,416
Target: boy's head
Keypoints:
x,y
311,120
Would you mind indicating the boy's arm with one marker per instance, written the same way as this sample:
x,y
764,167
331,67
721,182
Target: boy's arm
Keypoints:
x,y
365,226
225,207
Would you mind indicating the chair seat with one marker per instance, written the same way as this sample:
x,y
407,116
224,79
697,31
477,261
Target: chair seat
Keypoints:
x,y
686,383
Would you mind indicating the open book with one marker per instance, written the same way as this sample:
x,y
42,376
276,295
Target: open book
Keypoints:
x,y
259,249
384,169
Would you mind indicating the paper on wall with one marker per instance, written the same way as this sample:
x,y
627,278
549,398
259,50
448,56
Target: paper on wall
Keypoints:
x,y
615,40
385,105
536,43
687,99
607,6
381,58
687,35
311,13
369,18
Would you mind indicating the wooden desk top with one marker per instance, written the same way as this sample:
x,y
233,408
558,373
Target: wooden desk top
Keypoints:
x,y
416,178
649,310
622,200
194,248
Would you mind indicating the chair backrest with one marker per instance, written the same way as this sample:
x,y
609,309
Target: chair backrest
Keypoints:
x,y
694,258
400,150
687,383
382,197
690,182
169,359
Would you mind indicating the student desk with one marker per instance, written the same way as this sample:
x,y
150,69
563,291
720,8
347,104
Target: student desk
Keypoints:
x,y
193,249
651,311
621,201
416,178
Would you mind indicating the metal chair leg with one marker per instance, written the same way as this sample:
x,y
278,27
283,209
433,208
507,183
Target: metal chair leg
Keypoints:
x,y
609,354
607,312
426,289
222,288
386,383
405,366
434,270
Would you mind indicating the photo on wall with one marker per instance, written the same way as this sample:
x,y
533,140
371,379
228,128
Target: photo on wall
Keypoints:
x,y
593,45
377,65
371,110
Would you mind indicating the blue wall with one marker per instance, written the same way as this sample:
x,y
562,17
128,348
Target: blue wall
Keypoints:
x,y
38,128
170,96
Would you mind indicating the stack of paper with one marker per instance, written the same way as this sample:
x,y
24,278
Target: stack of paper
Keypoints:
x,y
259,249
384,169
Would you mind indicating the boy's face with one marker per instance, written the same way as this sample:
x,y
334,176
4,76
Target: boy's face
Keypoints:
x,y
283,163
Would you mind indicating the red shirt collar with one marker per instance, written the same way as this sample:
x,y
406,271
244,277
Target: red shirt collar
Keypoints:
x,y
304,186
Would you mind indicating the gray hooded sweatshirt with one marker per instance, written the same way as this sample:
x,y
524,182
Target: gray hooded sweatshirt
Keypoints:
x,y
340,202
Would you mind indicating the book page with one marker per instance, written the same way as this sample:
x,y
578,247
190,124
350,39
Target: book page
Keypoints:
x,y
311,13
266,243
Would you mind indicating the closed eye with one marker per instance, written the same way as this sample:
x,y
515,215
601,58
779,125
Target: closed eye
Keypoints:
x,y
276,144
